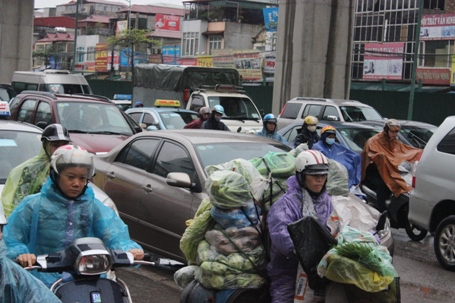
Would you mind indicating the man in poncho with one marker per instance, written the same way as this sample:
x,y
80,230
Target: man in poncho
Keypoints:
x,y
28,177
381,156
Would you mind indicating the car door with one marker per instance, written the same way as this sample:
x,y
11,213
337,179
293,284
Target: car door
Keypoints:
x,y
167,207
123,180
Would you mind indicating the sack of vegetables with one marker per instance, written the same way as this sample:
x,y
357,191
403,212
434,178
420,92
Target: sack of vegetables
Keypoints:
x,y
228,189
280,164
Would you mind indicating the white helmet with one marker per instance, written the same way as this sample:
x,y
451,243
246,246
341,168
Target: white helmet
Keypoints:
x,y
72,155
3,220
311,162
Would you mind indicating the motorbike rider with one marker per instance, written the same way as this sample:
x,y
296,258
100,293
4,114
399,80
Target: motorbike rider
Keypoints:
x,y
16,284
214,121
28,177
334,150
306,196
64,210
307,133
204,113
269,129
381,156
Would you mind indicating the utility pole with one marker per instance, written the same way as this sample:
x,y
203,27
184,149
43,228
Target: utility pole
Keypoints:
x,y
128,31
75,37
416,60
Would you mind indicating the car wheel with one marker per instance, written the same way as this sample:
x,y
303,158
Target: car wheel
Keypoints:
x,y
414,232
444,243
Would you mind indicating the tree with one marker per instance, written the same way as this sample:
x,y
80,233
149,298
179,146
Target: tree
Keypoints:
x,y
131,39
45,54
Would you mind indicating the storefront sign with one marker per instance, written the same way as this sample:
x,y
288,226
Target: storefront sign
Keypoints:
x,y
434,76
167,22
438,27
383,61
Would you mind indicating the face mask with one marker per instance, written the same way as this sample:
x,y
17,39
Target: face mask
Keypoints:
x,y
330,141
218,119
312,128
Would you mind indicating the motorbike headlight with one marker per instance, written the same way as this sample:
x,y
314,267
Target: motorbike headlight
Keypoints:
x,y
93,263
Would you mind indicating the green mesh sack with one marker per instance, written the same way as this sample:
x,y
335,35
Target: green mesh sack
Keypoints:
x,y
228,189
280,164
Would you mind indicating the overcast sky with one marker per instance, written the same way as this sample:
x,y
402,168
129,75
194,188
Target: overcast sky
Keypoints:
x,y
53,3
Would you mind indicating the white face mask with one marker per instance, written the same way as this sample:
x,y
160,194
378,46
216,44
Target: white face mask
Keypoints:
x,y
312,128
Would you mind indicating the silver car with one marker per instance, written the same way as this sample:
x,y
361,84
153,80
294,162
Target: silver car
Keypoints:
x,y
432,201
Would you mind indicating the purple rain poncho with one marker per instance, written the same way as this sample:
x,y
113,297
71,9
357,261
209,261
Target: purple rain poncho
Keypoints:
x,y
282,268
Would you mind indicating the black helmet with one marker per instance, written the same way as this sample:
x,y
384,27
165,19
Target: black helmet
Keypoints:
x,y
55,132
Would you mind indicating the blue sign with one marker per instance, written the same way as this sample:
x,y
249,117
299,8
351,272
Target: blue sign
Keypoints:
x,y
122,97
270,18
126,56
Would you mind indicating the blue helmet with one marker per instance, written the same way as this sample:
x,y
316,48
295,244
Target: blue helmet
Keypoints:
x,y
218,109
139,103
269,118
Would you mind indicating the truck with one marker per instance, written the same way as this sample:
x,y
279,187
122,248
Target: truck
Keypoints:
x,y
194,87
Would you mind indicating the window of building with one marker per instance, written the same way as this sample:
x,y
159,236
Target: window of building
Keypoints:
x,y
434,4
91,54
80,54
436,53
190,44
215,42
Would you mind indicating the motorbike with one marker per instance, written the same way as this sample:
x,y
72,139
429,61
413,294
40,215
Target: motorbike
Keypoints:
x,y
87,260
397,207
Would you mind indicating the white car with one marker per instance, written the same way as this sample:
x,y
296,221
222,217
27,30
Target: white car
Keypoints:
x,y
432,202
21,141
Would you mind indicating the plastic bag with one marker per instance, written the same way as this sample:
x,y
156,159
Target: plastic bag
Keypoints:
x,y
296,151
390,295
311,242
238,217
228,189
232,239
195,232
337,179
353,212
280,164
184,276
256,181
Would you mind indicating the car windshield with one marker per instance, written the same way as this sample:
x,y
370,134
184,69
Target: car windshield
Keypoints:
x,y
359,113
236,108
16,147
217,153
418,134
356,137
177,119
86,117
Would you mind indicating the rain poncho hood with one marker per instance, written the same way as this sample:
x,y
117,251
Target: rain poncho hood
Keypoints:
x,y
350,159
59,222
305,136
18,286
282,268
25,179
388,155
272,135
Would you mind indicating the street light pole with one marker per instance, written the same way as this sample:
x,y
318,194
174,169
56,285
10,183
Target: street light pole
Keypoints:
x,y
75,37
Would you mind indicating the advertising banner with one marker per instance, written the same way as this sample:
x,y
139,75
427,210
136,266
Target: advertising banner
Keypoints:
x,y
126,56
101,57
452,71
248,63
204,61
167,22
188,61
438,27
121,26
269,63
171,54
270,18
156,58
433,76
383,60
223,58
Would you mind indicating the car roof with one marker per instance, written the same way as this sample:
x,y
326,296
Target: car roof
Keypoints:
x,y
159,109
68,97
329,101
402,122
19,126
336,124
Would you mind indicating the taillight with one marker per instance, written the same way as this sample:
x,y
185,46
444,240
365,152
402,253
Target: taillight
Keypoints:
x,y
282,110
413,171
186,94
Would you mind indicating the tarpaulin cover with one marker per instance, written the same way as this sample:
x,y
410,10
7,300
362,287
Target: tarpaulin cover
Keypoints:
x,y
176,78
388,155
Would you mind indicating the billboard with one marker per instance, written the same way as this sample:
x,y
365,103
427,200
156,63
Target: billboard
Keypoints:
x,y
438,27
171,54
167,22
270,18
383,61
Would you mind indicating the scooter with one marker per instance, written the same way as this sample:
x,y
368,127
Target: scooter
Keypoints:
x,y
397,207
87,259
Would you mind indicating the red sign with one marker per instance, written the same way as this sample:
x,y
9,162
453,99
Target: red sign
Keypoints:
x,y
101,57
435,76
167,22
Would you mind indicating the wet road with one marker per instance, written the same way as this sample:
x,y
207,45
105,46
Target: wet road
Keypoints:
x,y
422,278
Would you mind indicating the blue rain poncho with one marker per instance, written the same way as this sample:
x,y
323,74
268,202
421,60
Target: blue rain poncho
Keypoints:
x,y
272,135
350,159
18,286
59,222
